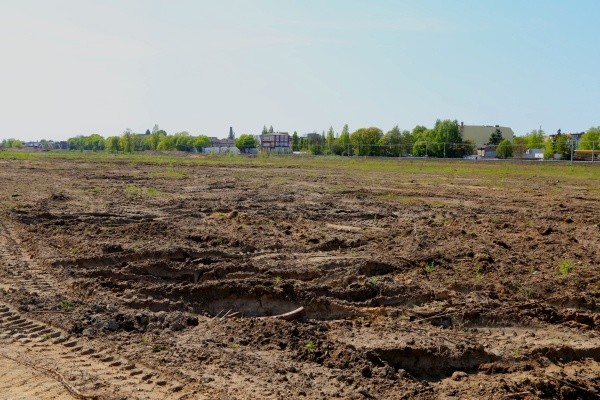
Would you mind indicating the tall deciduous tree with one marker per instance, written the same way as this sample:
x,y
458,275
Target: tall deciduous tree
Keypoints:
x,y
365,141
127,143
245,143
330,140
113,144
391,141
504,149
201,142
295,142
535,139
590,140
167,143
344,142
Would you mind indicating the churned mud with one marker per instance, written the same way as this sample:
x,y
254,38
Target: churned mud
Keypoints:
x,y
286,278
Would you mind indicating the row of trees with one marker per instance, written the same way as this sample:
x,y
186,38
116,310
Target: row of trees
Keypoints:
x,y
129,142
12,144
158,139
443,140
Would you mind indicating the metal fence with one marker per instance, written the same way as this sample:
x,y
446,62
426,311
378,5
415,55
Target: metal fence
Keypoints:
x,y
566,150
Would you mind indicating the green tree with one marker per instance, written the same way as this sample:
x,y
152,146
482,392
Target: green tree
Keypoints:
x,y
12,143
344,143
365,141
75,143
183,141
330,141
562,146
166,143
245,143
113,144
590,139
549,149
391,142
445,139
265,130
420,132
496,137
295,142
94,142
504,149
201,142
535,139
155,137
127,141
271,129
519,146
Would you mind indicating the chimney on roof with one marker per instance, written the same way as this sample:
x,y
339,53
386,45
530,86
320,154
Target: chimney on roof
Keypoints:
x,y
231,134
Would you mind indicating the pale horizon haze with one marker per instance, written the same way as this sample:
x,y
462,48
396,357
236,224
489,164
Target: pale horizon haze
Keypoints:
x,y
77,67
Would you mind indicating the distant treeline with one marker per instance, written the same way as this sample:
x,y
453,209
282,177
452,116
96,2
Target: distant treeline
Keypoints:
x,y
443,140
373,142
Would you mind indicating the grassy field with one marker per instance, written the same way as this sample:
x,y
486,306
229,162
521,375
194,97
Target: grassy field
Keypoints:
x,y
449,167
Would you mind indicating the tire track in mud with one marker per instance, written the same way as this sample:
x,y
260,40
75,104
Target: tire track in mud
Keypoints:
x,y
18,269
84,369
78,366
18,380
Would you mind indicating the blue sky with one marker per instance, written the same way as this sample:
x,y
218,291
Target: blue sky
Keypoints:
x,y
74,67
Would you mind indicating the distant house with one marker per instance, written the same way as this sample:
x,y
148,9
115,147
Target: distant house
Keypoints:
x,y
313,136
277,142
32,145
480,134
534,153
576,137
222,146
486,151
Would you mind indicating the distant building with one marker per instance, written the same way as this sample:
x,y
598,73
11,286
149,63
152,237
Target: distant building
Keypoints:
x,y
277,142
576,137
221,146
312,136
32,145
480,134
534,153
486,151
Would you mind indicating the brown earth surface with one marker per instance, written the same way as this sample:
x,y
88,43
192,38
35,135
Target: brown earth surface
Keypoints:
x,y
133,279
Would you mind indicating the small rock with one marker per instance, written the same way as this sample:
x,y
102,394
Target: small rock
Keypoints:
x,y
458,375
112,325
177,388
111,308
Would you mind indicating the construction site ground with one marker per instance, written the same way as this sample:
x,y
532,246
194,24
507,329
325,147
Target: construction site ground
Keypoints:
x,y
199,277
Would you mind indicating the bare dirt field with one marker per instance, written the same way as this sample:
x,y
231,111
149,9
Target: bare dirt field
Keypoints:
x,y
164,277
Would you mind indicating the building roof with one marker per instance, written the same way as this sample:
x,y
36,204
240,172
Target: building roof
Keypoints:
x,y
480,134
